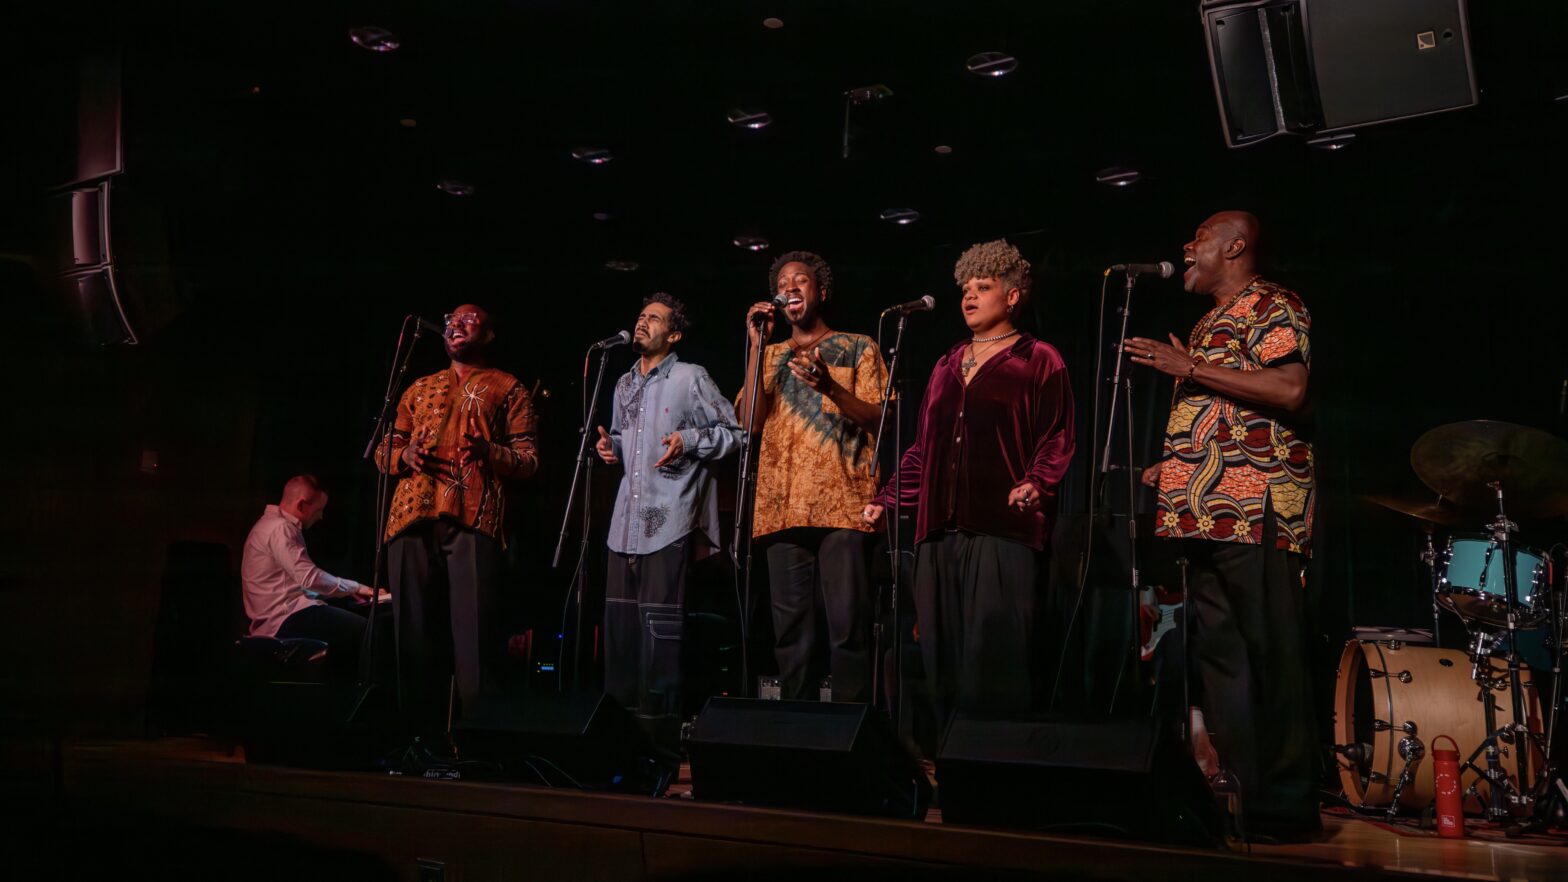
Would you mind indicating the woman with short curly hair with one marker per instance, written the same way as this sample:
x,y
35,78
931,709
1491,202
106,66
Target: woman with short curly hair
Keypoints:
x,y
994,441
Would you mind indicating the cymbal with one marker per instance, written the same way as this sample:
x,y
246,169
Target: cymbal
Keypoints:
x,y
1439,511
1460,460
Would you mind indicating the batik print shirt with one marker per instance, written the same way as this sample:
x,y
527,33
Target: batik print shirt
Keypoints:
x,y
439,406
658,505
1225,460
815,465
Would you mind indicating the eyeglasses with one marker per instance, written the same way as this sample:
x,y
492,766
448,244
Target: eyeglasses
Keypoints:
x,y
464,318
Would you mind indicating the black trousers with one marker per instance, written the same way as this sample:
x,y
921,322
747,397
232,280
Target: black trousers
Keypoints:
x,y
812,568
978,605
1249,623
445,603
342,629
644,618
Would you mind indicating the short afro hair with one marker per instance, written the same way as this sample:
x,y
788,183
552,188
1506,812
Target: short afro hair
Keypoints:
x,y
678,320
995,260
814,262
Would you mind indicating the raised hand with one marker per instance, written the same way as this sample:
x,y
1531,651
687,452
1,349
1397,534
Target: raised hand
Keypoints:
x,y
475,449
674,448
759,321
812,370
605,447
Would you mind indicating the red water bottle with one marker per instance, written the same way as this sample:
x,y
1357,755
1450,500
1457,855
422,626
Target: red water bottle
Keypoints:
x,y
1445,778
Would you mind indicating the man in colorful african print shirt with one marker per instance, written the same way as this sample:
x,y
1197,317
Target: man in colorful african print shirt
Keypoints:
x,y
668,423
458,434
1236,488
816,413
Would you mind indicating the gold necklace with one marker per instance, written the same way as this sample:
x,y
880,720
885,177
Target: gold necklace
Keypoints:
x,y
969,363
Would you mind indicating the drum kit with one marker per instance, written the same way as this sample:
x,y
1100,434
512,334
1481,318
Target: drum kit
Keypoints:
x,y
1394,695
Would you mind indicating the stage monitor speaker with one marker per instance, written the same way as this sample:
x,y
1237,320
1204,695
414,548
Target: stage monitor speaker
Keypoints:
x,y
1304,66
584,740
1115,777
820,756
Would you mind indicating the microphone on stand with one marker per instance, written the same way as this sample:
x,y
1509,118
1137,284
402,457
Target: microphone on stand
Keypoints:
x,y
620,339
428,325
779,302
924,304
1164,269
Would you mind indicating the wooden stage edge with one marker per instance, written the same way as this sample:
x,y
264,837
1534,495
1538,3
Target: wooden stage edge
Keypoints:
x,y
482,831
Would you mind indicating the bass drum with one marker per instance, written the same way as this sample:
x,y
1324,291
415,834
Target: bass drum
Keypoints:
x,y
1387,690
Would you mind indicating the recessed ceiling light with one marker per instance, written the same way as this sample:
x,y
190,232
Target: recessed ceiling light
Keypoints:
x,y
901,216
1332,142
454,187
1116,176
408,122
593,155
943,149
749,118
253,90
376,39
622,266
773,24
991,64
751,243
602,215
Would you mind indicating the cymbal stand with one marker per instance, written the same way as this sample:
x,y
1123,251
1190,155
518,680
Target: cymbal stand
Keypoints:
x,y
1429,558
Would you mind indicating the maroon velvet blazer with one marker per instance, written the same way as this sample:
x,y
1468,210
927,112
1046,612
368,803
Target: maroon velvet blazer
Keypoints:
x,y
1012,423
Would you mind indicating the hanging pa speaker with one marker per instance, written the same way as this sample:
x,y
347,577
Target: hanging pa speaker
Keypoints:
x,y
1304,66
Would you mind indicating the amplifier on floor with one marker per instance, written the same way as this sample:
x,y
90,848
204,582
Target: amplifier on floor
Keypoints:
x,y
1115,777
804,754
585,741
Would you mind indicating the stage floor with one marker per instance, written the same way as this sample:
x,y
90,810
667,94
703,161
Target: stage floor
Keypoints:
x,y
482,831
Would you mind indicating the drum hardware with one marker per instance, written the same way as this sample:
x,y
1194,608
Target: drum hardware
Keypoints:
x,y
1411,750
1402,676
1409,728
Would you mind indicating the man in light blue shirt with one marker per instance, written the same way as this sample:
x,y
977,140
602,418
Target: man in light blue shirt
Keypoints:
x,y
668,423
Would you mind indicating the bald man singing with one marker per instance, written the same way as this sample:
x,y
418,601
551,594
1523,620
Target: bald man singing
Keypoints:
x,y
285,592
1236,489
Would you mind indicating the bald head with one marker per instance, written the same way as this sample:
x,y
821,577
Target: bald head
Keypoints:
x,y
1243,225
304,499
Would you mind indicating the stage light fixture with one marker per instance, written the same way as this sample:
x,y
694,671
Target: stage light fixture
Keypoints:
x,y
749,118
1116,176
593,155
455,187
621,265
900,216
1332,142
773,24
602,215
751,243
376,39
942,149
991,64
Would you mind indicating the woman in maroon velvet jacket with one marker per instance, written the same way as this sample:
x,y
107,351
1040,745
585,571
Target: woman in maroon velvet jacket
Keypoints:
x,y
994,441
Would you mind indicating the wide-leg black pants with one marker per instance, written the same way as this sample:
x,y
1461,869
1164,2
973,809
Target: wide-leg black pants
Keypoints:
x,y
445,612
644,619
977,607
810,568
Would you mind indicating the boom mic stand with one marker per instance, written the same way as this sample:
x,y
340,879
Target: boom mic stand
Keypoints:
x,y
895,701
745,498
1101,475
381,437
584,471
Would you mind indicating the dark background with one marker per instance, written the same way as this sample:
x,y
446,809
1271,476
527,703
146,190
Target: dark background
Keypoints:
x,y
293,222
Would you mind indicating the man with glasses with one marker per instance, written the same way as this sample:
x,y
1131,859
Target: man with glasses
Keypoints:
x,y
459,433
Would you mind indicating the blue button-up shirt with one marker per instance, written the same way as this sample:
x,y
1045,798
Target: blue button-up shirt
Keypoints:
x,y
656,506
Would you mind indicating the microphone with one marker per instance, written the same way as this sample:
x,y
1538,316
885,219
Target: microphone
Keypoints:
x,y
779,302
428,325
924,304
1164,269
620,339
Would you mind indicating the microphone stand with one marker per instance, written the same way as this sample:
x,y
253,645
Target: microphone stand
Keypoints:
x,y
1117,381
382,437
895,701
745,498
584,471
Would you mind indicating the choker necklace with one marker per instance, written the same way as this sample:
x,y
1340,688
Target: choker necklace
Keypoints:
x,y
969,363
